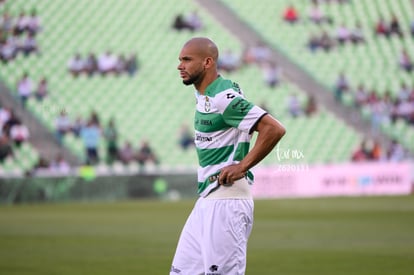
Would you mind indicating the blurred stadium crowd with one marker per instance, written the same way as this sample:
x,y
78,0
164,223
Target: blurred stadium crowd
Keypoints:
x,y
367,67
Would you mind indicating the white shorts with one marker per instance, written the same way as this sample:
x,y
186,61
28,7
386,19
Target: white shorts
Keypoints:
x,y
214,238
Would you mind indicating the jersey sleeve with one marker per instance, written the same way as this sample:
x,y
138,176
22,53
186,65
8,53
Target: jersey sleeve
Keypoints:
x,y
239,112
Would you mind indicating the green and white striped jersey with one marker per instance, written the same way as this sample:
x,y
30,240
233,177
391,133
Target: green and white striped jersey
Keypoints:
x,y
223,129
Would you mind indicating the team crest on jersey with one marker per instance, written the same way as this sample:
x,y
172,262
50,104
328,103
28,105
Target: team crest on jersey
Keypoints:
x,y
207,105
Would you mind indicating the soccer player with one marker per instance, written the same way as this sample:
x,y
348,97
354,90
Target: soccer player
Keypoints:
x,y
214,238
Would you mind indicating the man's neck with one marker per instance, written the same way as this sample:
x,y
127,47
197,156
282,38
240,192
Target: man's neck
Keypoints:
x,y
201,88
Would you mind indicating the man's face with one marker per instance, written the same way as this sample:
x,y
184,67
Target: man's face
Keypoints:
x,y
191,66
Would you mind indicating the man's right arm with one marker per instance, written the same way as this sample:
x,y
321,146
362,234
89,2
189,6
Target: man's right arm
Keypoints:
x,y
270,131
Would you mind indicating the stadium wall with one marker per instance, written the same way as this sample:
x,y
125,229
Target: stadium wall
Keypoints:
x,y
279,181
87,186
348,179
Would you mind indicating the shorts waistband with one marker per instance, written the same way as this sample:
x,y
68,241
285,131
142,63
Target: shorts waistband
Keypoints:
x,y
240,189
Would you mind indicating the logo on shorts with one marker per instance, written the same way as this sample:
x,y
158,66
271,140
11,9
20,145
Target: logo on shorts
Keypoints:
x,y
175,270
213,269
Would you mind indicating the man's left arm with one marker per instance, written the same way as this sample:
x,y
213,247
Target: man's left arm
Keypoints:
x,y
270,131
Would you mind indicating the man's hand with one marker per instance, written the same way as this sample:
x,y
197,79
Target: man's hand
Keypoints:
x,y
229,174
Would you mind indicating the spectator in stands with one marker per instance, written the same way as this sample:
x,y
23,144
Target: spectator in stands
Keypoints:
x,y
6,150
90,64
382,28
91,135
404,92
377,154
19,133
257,54
361,96
357,34
228,61
395,152
42,89
24,88
388,100
8,51
76,65
380,112
291,15
6,23
294,105
146,154
359,155
21,24
13,119
77,126
341,86
405,110
365,152
372,97
194,20
33,24
41,164
186,139
29,45
107,63
127,153
405,61
271,74
369,150
395,110
94,117
59,164
111,138
313,42
120,65
343,34
131,64
16,41
317,16
323,41
395,26
326,42
412,92
311,106
410,117
315,13
5,115
180,23
63,125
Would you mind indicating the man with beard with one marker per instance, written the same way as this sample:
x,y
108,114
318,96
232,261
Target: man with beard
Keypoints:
x,y
214,238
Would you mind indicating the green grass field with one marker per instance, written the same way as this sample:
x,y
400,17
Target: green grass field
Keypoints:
x,y
298,236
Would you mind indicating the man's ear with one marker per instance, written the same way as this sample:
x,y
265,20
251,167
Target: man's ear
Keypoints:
x,y
208,62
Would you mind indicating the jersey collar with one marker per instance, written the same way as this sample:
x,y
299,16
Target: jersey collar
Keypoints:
x,y
213,86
